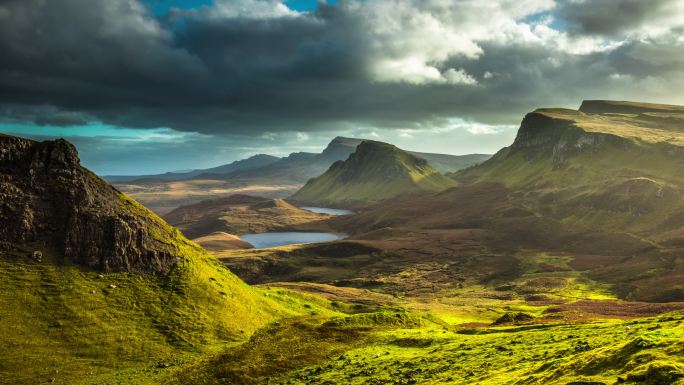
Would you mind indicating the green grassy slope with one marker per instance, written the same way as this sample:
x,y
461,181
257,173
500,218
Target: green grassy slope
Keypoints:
x,y
399,347
375,172
79,327
638,352
620,172
116,291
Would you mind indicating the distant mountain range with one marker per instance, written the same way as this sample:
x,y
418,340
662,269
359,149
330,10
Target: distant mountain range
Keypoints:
x,y
255,161
298,167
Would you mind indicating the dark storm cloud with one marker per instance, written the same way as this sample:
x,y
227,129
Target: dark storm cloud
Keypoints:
x,y
403,64
42,115
612,17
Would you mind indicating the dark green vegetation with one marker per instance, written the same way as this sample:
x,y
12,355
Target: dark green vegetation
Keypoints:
x,y
375,172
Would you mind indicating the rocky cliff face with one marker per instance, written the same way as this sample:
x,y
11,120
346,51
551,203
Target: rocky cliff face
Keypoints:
x,y
548,133
49,202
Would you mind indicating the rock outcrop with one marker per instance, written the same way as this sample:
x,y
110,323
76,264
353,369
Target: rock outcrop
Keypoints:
x,y
49,202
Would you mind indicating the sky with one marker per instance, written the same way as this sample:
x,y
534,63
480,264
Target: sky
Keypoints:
x,y
148,86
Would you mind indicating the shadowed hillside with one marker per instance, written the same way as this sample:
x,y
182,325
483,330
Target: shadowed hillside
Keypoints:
x,y
375,172
602,188
243,214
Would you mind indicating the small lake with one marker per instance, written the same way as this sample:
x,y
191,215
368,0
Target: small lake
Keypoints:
x,y
325,210
266,240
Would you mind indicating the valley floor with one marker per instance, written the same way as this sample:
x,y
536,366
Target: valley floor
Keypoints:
x,y
164,196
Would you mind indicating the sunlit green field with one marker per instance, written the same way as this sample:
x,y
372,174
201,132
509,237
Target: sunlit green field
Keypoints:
x,y
67,326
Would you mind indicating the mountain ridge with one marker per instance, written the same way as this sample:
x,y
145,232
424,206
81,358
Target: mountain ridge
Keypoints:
x,y
376,171
303,165
253,161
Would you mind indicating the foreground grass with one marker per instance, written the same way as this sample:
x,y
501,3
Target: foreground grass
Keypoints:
x,y
201,325
369,350
68,326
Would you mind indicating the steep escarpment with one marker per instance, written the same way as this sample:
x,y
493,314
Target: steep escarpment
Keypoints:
x,y
609,164
376,171
553,133
49,202
601,138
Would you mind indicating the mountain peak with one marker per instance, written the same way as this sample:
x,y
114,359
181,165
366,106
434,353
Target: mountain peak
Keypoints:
x,y
52,203
375,171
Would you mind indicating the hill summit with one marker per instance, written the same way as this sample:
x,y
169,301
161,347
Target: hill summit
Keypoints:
x,y
50,202
91,280
376,171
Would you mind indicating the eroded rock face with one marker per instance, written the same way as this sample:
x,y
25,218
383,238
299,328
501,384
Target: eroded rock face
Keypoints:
x,y
48,200
542,135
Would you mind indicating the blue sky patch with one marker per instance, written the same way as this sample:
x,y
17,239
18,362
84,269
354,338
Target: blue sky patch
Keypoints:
x,y
162,7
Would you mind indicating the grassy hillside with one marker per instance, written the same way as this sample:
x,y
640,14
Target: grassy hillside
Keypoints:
x,y
375,172
86,327
366,349
94,287
617,171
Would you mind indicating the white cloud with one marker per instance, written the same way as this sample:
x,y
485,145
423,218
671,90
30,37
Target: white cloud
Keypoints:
x,y
251,9
459,76
414,41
